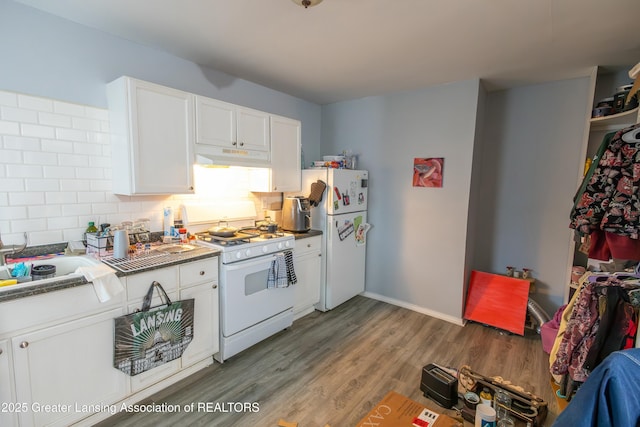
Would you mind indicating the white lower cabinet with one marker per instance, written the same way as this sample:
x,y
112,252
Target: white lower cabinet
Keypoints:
x,y
306,262
205,334
7,397
69,367
56,349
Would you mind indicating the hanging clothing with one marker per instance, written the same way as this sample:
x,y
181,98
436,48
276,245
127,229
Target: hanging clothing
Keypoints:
x,y
610,200
584,323
605,246
610,397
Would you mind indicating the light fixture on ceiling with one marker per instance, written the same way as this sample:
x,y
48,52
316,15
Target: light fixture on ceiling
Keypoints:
x,y
307,3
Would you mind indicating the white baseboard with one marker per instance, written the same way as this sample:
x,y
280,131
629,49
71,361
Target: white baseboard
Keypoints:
x,y
416,308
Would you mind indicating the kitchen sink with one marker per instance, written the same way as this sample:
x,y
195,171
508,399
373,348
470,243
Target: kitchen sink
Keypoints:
x,y
65,265
175,248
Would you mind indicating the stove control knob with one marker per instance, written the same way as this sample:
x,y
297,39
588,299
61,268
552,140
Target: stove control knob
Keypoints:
x,y
287,244
248,252
265,249
238,255
280,245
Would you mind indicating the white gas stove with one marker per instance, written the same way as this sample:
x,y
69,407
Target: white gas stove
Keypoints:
x,y
246,244
250,309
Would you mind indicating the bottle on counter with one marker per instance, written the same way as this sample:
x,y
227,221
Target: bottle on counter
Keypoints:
x,y
168,220
92,227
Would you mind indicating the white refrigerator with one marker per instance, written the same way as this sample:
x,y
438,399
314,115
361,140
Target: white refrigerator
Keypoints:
x,y
342,217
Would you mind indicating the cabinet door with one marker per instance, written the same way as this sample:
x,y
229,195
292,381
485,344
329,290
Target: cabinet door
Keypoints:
x,y
68,366
152,132
285,154
159,373
8,417
307,264
205,323
215,123
253,129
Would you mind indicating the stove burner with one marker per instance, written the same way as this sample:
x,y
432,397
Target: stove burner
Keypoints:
x,y
242,236
271,235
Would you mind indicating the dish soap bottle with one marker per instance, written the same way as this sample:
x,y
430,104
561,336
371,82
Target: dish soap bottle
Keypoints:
x,y
92,228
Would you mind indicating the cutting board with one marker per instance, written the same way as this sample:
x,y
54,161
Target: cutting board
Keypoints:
x,y
497,300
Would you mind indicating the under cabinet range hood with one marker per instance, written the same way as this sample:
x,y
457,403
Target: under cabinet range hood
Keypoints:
x,y
233,157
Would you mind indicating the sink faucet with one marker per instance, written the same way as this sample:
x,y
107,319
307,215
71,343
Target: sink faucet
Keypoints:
x,y
10,249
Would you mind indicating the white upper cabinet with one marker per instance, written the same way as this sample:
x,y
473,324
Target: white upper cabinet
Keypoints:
x,y
152,131
284,174
230,134
285,154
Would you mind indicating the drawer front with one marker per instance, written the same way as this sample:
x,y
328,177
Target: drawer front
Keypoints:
x,y
309,244
138,284
198,272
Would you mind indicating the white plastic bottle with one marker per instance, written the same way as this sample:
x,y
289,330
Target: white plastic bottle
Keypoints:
x,y
168,220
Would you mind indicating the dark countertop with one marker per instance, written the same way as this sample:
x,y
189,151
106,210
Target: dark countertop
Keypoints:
x,y
310,233
17,291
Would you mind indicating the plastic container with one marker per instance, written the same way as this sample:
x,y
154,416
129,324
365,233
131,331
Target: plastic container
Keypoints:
x,y
167,220
43,271
485,416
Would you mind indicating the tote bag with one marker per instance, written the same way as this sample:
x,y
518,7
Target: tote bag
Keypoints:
x,y
152,336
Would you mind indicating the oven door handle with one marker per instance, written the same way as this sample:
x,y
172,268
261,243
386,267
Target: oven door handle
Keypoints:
x,y
250,263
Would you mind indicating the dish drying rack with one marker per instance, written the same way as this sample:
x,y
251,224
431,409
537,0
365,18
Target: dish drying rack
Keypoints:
x,y
152,259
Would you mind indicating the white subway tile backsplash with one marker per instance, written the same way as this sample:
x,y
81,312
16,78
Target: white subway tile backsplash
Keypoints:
x,y
20,225
9,99
11,156
78,209
12,184
73,160
40,158
13,114
21,143
55,146
84,148
24,171
61,197
91,197
68,108
48,237
9,128
29,102
37,184
59,172
55,172
56,120
44,211
71,134
13,212
58,223
26,198
36,131
74,185
86,124
89,173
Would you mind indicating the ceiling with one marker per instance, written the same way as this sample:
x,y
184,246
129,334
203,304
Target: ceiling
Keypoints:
x,y
348,49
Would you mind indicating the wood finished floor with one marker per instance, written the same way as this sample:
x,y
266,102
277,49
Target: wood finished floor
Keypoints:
x,y
332,368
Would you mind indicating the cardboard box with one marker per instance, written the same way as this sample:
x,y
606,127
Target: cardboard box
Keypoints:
x,y
396,410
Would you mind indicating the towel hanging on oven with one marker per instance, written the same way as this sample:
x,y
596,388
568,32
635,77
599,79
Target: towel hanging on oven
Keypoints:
x,y
281,272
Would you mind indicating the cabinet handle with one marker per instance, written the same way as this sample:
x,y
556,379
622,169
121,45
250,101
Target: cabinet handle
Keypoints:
x,y
242,144
234,143
0,351
308,245
202,273
215,286
24,344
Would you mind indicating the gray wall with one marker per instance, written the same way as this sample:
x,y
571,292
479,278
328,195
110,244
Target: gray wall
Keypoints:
x,y
47,56
418,244
533,138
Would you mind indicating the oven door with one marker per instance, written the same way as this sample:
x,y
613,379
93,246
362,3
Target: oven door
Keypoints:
x,y
245,299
